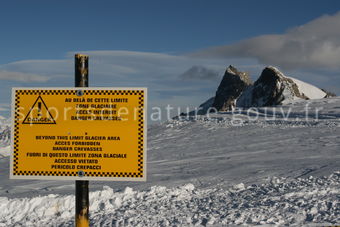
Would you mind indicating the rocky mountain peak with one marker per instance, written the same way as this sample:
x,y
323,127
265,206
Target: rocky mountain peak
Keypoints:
x,y
232,70
278,83
231,87
272,88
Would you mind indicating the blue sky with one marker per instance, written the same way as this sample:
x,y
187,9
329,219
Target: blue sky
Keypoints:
x,y
155,43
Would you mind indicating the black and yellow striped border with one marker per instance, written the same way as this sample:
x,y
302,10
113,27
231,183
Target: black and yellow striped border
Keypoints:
x,y
140,161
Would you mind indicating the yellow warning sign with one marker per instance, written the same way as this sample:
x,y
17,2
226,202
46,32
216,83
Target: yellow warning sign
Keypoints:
x,y
79,134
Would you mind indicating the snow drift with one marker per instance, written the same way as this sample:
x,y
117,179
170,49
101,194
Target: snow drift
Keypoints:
x,y
266,165
279,202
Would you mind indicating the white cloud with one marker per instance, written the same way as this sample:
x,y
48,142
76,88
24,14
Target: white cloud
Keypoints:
x,y
158,71
46,67
4,107
312,45
154,70
22,77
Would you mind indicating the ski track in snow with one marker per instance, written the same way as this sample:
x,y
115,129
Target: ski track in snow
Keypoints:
x,y
276,165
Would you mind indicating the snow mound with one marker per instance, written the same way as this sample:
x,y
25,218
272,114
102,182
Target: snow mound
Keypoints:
x,y
5,151
5,133
309,90
277,202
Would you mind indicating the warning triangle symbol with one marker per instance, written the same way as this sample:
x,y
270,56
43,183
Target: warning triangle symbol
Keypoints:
x,y
39,114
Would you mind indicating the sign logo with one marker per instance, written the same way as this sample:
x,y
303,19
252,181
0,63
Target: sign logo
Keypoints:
x,y
39,113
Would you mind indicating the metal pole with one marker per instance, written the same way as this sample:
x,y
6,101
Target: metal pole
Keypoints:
x,y
81,70
82,187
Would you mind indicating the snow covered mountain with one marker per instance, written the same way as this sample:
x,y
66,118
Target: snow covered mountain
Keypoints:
x,y
272,88
262,166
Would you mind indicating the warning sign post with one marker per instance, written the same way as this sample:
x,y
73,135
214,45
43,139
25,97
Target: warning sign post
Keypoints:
x,y
79,134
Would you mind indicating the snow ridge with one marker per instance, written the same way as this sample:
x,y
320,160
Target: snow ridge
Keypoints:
x,y
309,90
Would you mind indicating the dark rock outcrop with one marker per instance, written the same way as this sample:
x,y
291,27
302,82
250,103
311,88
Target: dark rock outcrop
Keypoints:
x,y
328,93
271,89
230,88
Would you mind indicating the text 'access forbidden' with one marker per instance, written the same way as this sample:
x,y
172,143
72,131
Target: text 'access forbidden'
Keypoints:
x,y
79,133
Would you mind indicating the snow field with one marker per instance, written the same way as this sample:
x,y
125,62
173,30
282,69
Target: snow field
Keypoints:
x,y
279,201
263,166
